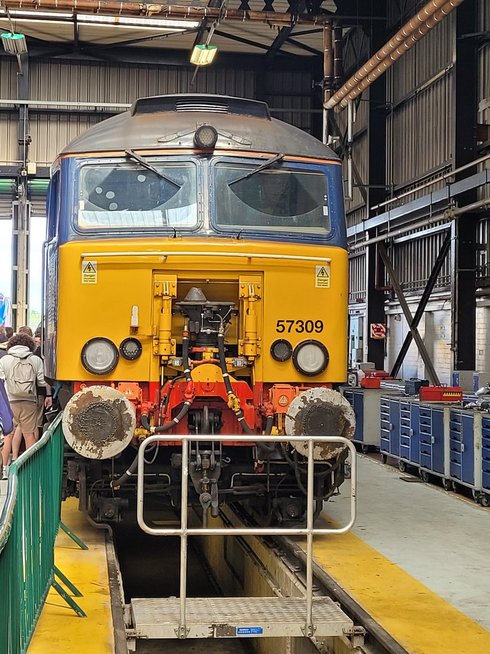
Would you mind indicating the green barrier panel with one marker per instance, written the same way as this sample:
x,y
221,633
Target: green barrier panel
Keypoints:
x,y
28,527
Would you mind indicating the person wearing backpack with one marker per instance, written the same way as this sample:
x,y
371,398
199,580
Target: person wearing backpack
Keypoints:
x,y
22,371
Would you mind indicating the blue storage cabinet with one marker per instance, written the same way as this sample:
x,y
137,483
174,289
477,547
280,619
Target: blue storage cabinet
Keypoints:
x,y
485,461
390,427
356,400
365,403
432,440
465,441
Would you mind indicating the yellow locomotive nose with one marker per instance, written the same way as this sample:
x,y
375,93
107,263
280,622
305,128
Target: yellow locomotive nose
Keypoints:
x,y
99,422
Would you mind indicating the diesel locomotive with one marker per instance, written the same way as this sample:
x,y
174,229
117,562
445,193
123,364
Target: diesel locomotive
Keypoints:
x,y
196,283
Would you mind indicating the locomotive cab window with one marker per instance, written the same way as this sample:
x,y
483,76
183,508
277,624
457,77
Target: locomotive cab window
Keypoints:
x,y
285,199
127,195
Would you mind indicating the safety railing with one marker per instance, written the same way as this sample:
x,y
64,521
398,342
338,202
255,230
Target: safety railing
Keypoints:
x,y
28,526
184,531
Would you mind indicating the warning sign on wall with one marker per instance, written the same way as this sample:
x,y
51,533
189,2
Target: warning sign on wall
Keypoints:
x,y
322,276
89,272
377,330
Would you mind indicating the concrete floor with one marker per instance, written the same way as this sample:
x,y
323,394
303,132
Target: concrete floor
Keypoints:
x,y
439,538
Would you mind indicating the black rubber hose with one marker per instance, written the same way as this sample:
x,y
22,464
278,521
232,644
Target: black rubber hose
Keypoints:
x,y
265,449
145,423
229,389
161,429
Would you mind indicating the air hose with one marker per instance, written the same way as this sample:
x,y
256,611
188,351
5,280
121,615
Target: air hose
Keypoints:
x,y
233,402
161,429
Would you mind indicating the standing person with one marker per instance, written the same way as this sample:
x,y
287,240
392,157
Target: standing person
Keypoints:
x,y
22,370
3,341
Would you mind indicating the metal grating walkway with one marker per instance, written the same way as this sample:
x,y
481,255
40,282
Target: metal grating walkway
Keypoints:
x,y
225,617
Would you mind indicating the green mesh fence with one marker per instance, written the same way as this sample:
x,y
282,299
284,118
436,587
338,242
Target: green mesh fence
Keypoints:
x,y
28,527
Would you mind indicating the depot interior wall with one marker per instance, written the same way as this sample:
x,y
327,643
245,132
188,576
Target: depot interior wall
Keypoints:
x,y
289,93
435,330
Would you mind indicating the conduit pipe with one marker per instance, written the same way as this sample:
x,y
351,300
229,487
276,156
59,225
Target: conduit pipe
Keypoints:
x,y
447,215
403,40
328,73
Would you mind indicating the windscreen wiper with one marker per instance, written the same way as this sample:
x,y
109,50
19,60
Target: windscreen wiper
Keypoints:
x,y
146,164
267,164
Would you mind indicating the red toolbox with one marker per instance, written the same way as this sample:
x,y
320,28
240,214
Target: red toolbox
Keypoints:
x,y
441,393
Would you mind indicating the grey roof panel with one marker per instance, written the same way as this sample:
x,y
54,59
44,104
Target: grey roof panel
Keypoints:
x,y
170,122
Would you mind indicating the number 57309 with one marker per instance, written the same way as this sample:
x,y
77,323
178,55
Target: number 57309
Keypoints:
x,y
299,326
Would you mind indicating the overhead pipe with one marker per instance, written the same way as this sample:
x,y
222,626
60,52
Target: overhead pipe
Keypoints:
x,y
403,41
122,8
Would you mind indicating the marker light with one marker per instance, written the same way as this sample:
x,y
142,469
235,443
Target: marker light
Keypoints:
x,y
130,349
281,350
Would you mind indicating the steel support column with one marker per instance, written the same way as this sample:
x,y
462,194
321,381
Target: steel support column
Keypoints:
x,y
21,208
464,134
422,304
431,373
375,299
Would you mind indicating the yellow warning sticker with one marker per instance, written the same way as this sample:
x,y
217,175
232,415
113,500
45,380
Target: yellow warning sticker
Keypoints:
x,y
89,272
322,276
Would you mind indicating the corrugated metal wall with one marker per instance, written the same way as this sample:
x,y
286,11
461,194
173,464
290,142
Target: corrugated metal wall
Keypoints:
x,y
419,125
357,277
105,83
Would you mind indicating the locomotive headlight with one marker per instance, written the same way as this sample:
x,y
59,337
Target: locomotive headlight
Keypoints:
x,y
310,358
281,350
99,356
205,137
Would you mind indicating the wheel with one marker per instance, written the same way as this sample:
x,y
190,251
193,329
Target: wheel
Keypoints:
x,y
475,495
485,499
446,483
364,449
454,486
402,465
424,475
384,458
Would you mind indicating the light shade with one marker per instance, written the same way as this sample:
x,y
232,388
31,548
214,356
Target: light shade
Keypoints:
x,y
203,54
14,43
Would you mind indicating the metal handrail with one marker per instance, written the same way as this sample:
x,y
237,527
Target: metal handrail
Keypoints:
x,y
29,523
184,532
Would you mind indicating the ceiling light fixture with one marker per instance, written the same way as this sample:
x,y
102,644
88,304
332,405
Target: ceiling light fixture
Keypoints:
x,y
203,54
137,22
14,43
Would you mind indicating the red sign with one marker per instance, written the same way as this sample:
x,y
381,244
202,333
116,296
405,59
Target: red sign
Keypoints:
x,y
377,330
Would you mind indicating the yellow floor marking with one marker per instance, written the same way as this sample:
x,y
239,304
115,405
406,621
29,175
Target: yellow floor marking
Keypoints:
x,y
415,616
59,629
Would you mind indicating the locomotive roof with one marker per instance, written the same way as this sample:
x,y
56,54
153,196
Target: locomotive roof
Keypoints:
x,y
169,121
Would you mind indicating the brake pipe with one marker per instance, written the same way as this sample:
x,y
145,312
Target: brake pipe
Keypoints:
x,y
233,400
161,429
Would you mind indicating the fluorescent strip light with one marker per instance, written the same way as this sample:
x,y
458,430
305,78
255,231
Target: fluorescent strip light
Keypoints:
x,y
39,14
138,22
203,54
141,28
